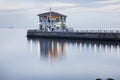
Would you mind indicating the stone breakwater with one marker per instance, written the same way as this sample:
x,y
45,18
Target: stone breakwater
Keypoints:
x,y
83,35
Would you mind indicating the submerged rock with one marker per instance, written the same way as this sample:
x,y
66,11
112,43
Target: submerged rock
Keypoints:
x,y
98,79
110,79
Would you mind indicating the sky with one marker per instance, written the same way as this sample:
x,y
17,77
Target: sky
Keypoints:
x,y
82,14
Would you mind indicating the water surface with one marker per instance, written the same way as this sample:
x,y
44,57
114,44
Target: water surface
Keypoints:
x,y
23,58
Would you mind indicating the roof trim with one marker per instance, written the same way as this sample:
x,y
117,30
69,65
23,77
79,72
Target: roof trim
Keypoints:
x,y
52,13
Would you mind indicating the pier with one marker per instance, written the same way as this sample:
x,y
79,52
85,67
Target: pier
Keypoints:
x,y
110,35
53,25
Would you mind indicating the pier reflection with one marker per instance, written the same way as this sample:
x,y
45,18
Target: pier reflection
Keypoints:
x,y
50,49
55,49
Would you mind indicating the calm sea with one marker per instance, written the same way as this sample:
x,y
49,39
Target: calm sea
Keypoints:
x,y
52,59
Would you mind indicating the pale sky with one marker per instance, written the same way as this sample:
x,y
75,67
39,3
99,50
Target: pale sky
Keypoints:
x,y
92,14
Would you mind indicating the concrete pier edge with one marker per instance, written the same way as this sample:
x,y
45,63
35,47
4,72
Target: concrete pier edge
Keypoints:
x,y
75,35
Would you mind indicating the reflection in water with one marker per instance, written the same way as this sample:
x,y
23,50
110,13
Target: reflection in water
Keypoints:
x,y
53,49
48,48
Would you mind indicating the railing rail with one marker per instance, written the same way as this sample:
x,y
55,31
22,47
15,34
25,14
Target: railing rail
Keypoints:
x,y
82,31
98,31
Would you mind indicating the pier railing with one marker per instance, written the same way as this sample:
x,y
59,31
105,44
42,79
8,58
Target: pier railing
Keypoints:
x,y
98,31
81,31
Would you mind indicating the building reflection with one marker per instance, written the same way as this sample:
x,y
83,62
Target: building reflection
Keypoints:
x,y
50,49
55,49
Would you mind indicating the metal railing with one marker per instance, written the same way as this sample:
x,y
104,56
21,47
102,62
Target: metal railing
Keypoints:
x,y
81,31
98,31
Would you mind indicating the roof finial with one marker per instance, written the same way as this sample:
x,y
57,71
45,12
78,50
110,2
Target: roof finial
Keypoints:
x,y
50,8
